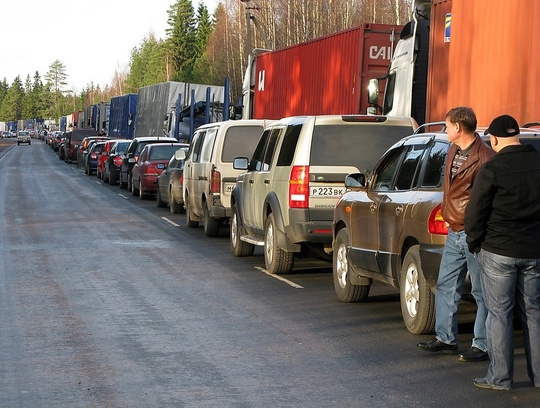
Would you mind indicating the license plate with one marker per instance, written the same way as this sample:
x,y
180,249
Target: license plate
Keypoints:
x,y
229,187
326,191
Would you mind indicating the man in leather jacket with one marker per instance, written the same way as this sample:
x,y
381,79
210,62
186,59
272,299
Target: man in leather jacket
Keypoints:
x,y
465,156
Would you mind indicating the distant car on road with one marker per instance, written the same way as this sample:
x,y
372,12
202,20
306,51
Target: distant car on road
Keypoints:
x,y
170,183
23,136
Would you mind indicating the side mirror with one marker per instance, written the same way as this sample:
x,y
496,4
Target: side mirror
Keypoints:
x,y
180,154
356,180
373,92
240,163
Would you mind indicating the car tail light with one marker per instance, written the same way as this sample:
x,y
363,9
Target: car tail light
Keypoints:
x,y
93,156
152,170
215,182
299,187
117,160
436,223
181,179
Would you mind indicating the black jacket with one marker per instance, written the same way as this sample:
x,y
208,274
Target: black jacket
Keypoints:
x,y
503,215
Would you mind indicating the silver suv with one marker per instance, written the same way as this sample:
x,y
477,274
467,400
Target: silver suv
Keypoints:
x,y
388,226
23,136
285,199
209,176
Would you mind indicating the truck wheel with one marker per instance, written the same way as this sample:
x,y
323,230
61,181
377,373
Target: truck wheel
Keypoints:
x,y
189,221
276,259
345,290
159,201
417,300
239,247
210,224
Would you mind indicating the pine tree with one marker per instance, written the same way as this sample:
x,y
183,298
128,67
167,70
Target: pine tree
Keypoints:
x,y
12,103
181,39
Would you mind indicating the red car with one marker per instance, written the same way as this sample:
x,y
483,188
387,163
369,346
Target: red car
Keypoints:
x,y
151,162
102,159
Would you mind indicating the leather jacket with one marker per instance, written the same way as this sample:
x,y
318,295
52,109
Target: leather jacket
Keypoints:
x,y
457,191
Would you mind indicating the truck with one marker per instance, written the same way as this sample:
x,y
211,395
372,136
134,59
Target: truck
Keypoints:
x,y
162,107
326,75
123,110
455,53
102,117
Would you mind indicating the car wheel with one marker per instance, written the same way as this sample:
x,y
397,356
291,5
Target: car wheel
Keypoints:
x,y
112,180
122,183
174,207
189,221
129,183
210,224
160,202
276,259
417,299
345,290
142,193
239,247
132,188
105,177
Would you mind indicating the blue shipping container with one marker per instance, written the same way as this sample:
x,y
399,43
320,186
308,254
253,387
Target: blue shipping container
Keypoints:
x,y
122,116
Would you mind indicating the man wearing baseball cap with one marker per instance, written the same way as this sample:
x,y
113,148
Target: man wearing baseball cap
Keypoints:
x,y
502,224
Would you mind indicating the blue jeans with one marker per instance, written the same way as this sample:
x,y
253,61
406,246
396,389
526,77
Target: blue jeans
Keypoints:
x,y
509,282
455,262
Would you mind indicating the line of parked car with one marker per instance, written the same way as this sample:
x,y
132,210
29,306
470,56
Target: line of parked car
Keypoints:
x,y
361,192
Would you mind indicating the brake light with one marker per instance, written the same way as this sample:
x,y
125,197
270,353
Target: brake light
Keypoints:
x,y
436,223
299,187
215,182
152,170
117,160
181,179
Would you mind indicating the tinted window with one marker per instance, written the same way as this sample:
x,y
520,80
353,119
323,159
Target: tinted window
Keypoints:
x,y
434,171
342,144
240,141
258,153
288,146
164,152
408,171
270,149
384,175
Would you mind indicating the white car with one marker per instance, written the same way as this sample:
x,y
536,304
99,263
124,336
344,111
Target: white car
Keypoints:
x,y
23,136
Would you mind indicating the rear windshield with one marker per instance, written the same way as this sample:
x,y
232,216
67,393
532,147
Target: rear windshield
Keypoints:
x,y
162,152
349,145
240,141
80,135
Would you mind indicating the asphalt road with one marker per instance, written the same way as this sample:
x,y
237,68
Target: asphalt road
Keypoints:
x,y
109,301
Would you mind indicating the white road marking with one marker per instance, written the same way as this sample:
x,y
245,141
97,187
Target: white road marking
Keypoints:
x,y
170,221
123,196
278,277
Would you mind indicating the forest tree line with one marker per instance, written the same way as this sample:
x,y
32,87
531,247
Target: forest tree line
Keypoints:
x,y
199,48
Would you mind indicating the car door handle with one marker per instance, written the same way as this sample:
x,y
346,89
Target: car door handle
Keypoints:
x,y
373,207
251,181
399,209
266,181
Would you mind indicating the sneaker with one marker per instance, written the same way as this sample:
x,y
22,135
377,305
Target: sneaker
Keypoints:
x,y
482,383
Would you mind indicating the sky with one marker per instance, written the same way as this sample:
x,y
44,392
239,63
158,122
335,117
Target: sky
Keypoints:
x,y
93,39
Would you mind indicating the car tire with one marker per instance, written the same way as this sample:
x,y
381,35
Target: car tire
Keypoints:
x,y
133,189
239,247
142,193
417,299
210,224
276,260
189,221
112,180
341,271
129,183
159,201
174,207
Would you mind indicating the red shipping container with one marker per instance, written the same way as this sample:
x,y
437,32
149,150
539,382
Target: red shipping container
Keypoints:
x,y
327,75
491,61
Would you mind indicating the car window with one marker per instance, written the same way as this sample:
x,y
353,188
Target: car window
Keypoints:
x,y
164,152
142,157
208,145
408,171
240,141
384,176
196,152
255,163
434,170
270,149
288,147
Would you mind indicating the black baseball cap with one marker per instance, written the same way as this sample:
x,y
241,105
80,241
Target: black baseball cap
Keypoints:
x,y
503,126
